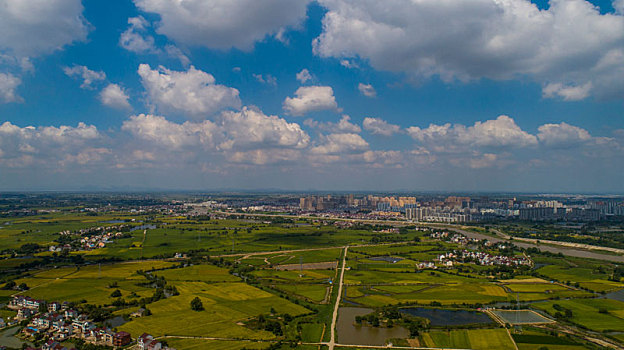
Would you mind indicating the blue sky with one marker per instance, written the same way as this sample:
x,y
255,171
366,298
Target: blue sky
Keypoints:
x,y
454,95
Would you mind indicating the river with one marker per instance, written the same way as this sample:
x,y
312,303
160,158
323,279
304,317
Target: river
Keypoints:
x,y
548,248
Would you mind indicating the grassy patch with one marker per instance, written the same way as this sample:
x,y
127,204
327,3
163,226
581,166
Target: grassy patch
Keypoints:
x,y
479,339
586,312
225,305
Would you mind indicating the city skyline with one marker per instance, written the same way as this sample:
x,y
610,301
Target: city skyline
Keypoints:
x,y
516,96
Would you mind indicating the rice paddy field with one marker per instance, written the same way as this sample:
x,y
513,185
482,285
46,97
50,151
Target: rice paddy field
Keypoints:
x,y
534,340
479,339
91,283
588,275
587,312
226,305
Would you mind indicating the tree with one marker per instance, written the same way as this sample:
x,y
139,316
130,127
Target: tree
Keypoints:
x,y
43,307
196,304
9,285
116,294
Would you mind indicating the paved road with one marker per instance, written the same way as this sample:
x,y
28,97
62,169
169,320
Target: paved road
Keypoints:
x,y
332,340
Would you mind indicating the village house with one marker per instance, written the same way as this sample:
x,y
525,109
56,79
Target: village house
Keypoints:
x,y
121,339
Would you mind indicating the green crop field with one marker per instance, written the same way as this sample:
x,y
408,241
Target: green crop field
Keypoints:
x,y
200,344
312,292
230,265
535,287
588,278
226,304
311,332
200,273
478,339
308,276
90,283
529,340
586,312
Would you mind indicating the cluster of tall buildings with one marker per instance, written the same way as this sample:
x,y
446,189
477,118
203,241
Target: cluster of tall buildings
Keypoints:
x,y
329,202
454,209
608,207
437,215
555,210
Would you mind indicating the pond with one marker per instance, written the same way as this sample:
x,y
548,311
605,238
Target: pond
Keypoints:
x,y
349,333
390,259
617,295
440,317
8,339
115,321
143,227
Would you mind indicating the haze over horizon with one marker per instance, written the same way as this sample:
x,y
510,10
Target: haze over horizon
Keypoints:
x,y
465,96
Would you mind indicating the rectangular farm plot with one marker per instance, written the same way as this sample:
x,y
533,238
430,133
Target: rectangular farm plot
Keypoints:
x,y
535,287
309,266
91,283
203,273
313,292
285,276
587,312
426,293
225,305
478,339
515,317
470,293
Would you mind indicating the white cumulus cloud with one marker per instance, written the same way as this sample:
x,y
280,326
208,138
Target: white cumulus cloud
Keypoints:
x,y
47,145
618,5
567,92
340,143
250,128
304,76
562,134
267,79
8,85
135,38
343,126
380,127
169,135
367,90
192,92
500,132
83,73
114,96
245,136
35,27
224,24
310,99
465,40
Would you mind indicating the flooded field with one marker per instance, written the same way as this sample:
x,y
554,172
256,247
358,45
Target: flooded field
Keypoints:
x,y
349,333
390,259
439,317
617,295
143,227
